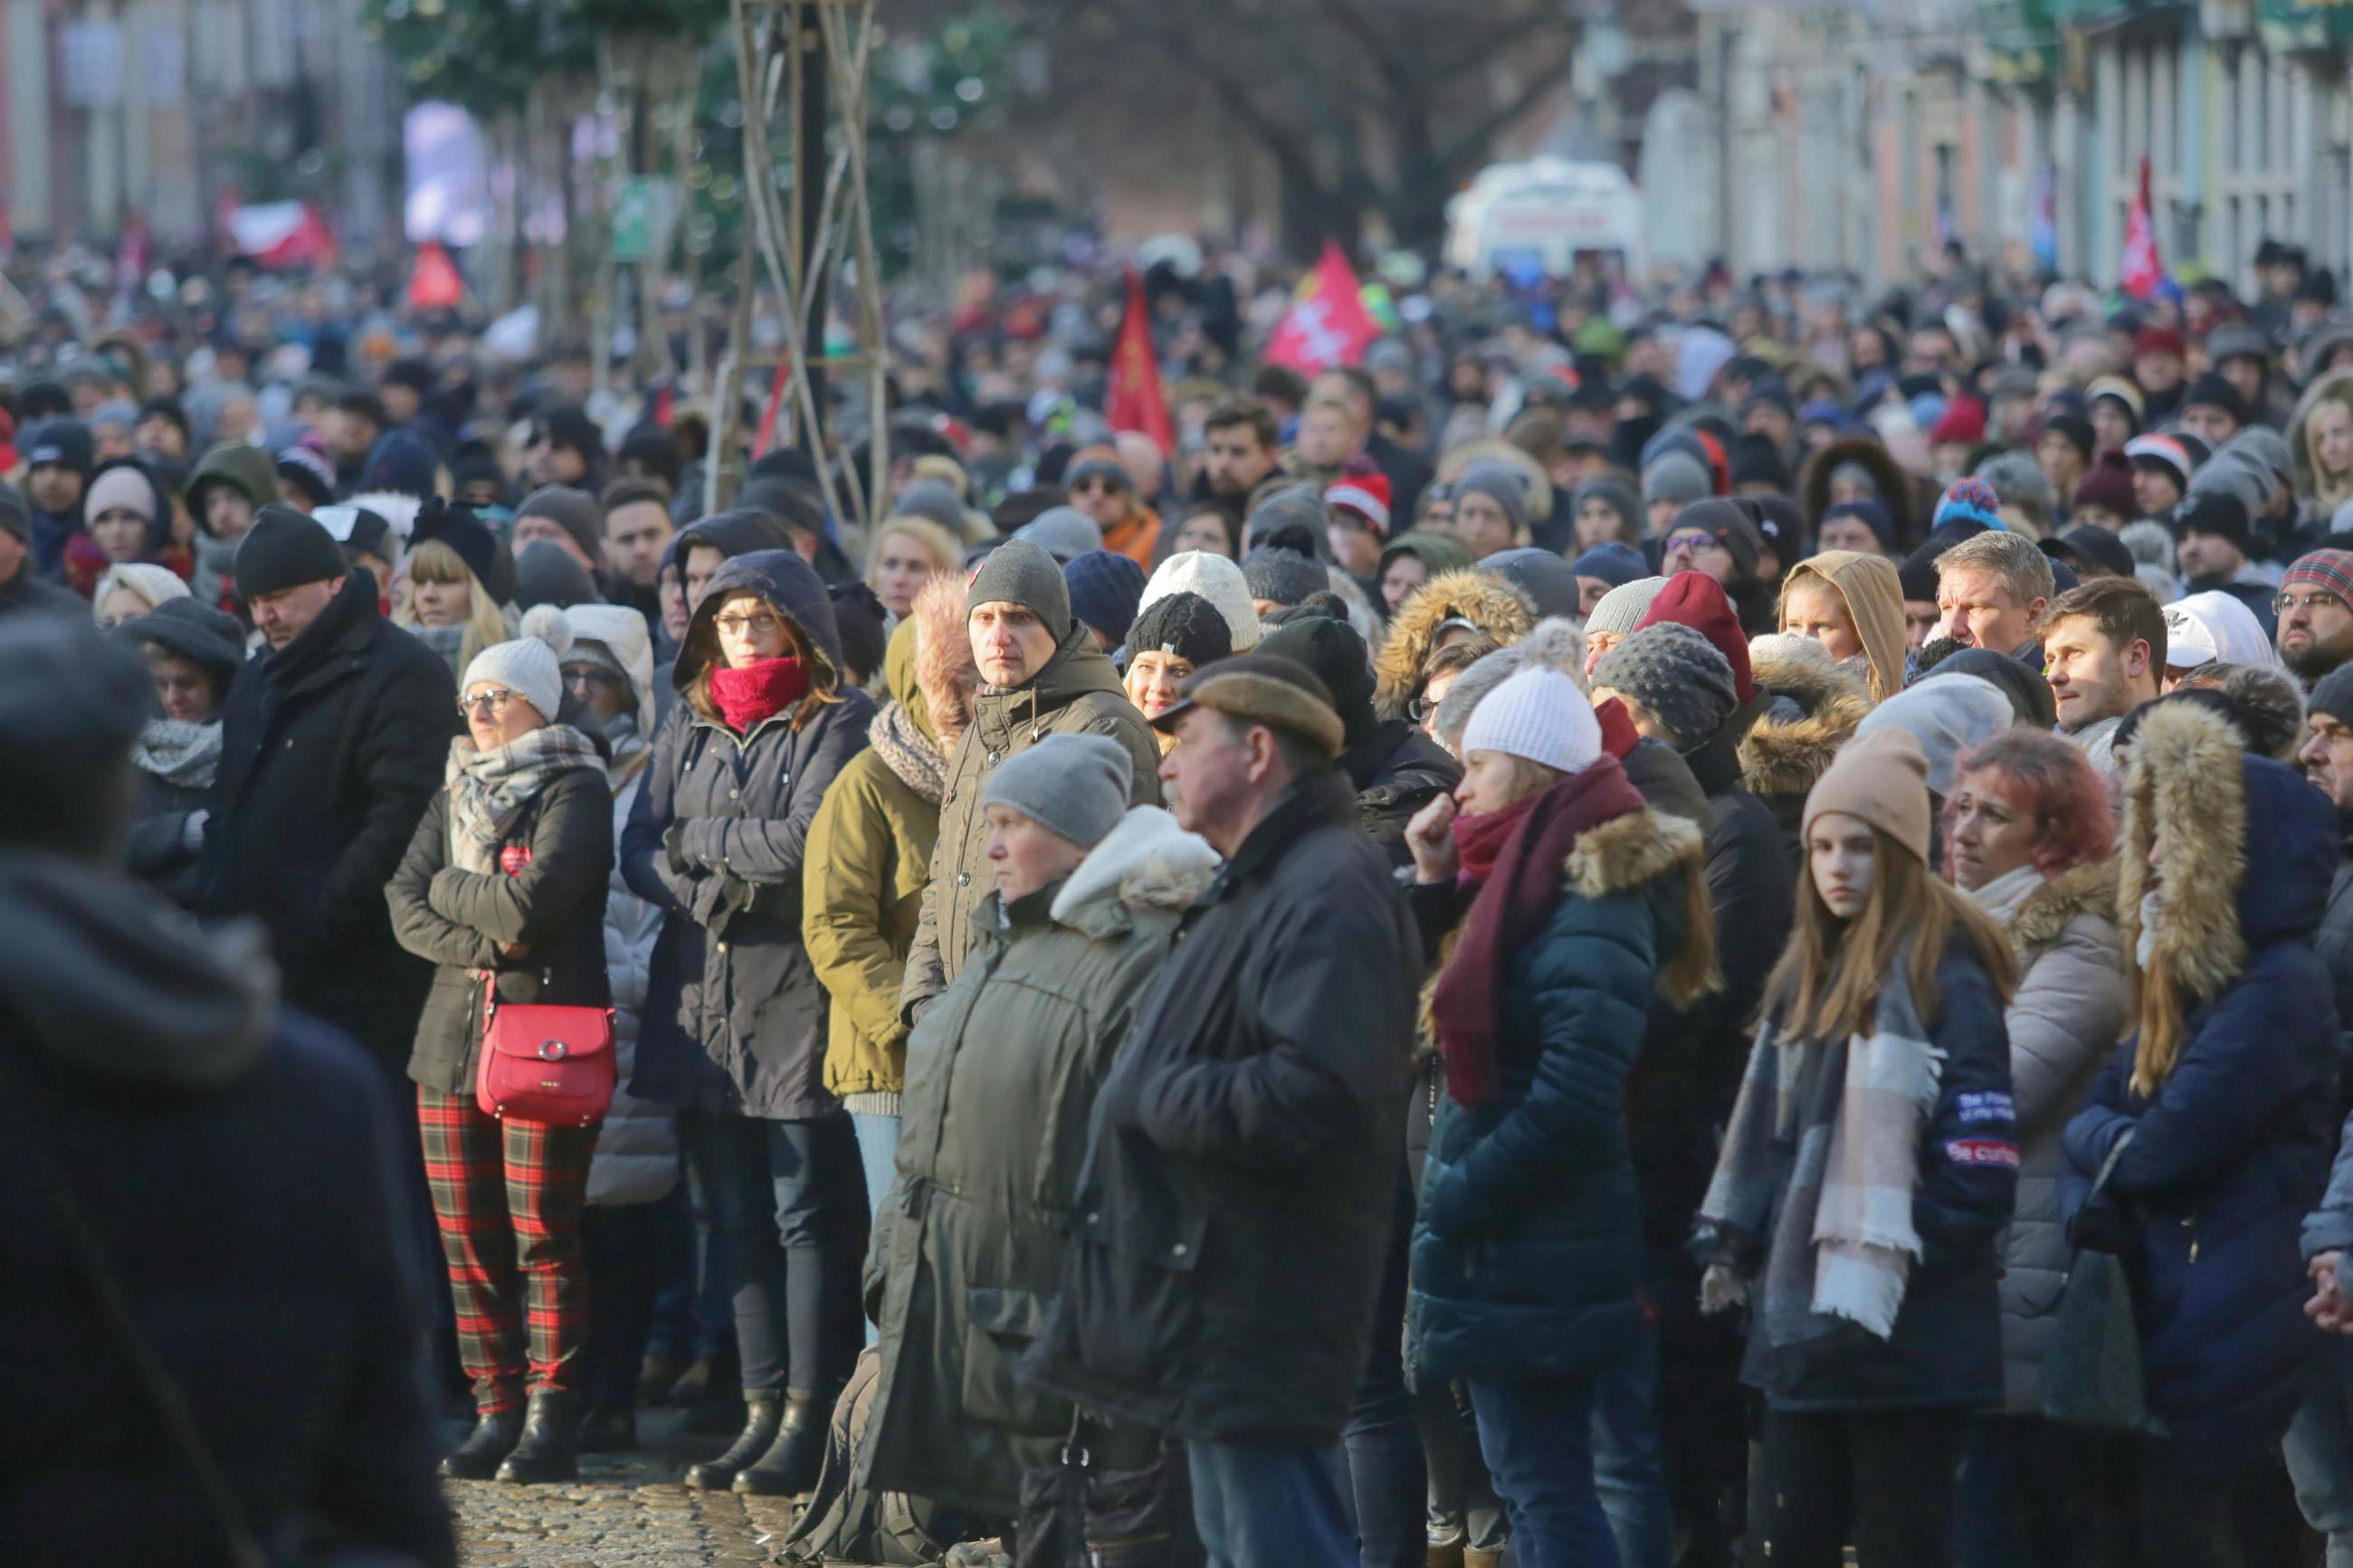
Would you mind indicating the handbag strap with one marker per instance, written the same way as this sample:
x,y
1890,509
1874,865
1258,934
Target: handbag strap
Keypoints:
x,y
2108,1166
115,1316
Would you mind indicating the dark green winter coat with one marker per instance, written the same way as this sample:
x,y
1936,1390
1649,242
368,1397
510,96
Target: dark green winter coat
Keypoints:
x,y
1001,1078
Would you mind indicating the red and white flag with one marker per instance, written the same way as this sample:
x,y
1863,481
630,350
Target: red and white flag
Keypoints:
x,y
2143,271
1135,402
1327,323
283,234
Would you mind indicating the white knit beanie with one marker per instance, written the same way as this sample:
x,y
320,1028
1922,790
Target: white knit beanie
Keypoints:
x,y
1541,715
532,665
1216,579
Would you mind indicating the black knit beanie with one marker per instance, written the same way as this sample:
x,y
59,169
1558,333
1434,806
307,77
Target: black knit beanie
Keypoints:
x,y
1186,624
285,550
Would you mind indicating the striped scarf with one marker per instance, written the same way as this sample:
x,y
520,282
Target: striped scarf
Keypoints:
x,y
488,791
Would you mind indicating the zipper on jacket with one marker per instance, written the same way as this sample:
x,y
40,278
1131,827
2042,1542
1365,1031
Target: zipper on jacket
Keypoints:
x,y
2190,1220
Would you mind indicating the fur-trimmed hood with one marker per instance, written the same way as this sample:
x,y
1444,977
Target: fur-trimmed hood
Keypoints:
x,y
1483,598
1145,862
1557,644
1865,452
1782,755
1642,846
2086,889
947,678
2336,387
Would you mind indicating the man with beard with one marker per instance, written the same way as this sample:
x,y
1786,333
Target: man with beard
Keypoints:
x,y
2316,614
2105,647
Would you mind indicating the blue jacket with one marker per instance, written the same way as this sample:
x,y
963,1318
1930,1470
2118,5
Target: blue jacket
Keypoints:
x,y
1528,1259
2232,1150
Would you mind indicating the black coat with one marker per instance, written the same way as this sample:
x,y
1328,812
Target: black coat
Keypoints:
x,y
716,839
1234,1214
157,853
29,591
331,748
460,919
1397,770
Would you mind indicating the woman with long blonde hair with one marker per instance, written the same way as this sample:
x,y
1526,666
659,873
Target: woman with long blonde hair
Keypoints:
x,y
447,602
1865,1177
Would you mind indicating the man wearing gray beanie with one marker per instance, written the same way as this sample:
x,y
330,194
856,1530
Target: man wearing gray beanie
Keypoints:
x,y
1670,484
1043,676
1279,579
565,517
1616,615
1674,676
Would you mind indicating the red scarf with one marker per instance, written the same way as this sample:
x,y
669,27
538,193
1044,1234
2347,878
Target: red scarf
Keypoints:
x,y
758,691
1513,902
1478,840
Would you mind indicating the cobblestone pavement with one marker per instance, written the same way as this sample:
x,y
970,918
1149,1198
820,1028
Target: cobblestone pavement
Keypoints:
x,y
626,1510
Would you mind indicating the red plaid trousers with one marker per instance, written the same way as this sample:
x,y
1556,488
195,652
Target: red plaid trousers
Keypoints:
x,y
508,1197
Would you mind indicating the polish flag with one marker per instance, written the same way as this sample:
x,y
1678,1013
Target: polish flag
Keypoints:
x,y
2143,272
1327,323
283,234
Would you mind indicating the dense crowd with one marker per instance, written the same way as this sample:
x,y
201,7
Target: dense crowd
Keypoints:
x,y
1651,929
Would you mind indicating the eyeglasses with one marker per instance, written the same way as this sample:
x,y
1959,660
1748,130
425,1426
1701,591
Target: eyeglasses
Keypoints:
x,y
591,675
1096,487
759,623
495,702
2284,603
1694,544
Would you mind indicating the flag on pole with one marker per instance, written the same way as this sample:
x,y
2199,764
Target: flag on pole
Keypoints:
x,y
433,282
1135,402
283,234
2143,272
1327,324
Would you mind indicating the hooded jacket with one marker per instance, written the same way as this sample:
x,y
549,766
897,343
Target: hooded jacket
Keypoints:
x,y
2320,495
1868,586
1483,598
1528,1255
870,850
331,748
2232,1150
249,471
1076,692
1867,452
1817,706
1002,1074
2065,1020
718,837
228,1157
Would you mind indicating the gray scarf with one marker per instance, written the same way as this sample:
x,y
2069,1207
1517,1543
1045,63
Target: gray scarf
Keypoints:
x,y
181,754
447,641
1835,1129
914,756
488,791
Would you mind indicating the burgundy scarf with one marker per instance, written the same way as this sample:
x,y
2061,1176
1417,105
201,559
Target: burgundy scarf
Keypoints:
x,y
758,691
1511,905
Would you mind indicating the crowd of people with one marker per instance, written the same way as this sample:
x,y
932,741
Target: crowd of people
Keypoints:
x,y
1651,931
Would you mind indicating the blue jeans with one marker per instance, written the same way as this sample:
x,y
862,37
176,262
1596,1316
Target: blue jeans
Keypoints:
x,y
1537,1436
878,1152
1269,1505
1629,1468
789,1197
2320,1451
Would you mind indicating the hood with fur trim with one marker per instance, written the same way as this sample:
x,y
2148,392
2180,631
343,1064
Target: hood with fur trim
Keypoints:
x,y
1145,862
2086,889
1483,598
947,678
1785,755
2322,496
1864,452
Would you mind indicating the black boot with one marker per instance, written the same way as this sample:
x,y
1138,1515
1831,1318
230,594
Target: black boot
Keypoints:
x,y
545,1453
762,1408
789,1467
607,1428
493,1438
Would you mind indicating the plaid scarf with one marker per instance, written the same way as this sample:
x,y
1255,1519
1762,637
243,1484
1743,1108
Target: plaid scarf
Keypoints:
x,y
1835,1130
489,790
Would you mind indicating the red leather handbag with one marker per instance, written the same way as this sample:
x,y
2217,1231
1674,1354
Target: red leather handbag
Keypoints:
x,y
544,1064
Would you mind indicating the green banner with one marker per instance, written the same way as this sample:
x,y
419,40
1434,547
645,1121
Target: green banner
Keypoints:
x,y
2305,23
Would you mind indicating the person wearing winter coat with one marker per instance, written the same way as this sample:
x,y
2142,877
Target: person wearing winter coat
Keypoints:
x,y
869,849
1813,711
1085,910
2227,1092
225,492
333,742
229,1166
1450,604
502,890
608,677
735,1019
1233,1214
192,655
1529,1270
1868,1170
2029,837
1043,676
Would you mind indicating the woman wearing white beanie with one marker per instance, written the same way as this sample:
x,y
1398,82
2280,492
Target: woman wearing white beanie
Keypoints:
x,y
503,886
130,589
1577,907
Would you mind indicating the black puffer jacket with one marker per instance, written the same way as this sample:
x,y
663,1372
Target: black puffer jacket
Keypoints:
x,y
331,747
459,921
716,839
1397,771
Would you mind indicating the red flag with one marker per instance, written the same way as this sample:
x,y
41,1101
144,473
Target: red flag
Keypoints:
x,y
1135,402
433,282
1327,323
2144,269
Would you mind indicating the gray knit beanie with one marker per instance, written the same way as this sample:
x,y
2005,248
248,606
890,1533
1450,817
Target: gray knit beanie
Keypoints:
x,y
1074,785
574,511
1623,608
1282,576
1019,573
1676,673
1063,531
1676,477
1503,484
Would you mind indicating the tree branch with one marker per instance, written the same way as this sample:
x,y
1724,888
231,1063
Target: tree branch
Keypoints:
x,y
1474,143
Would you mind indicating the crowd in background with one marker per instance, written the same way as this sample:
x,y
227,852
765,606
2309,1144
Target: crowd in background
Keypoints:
x,y
1571,940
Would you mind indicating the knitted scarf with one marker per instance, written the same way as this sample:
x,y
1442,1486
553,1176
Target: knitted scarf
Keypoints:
x,y
447,641
488,791
1834,1128
910,753
758,691
1511,906
181,754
